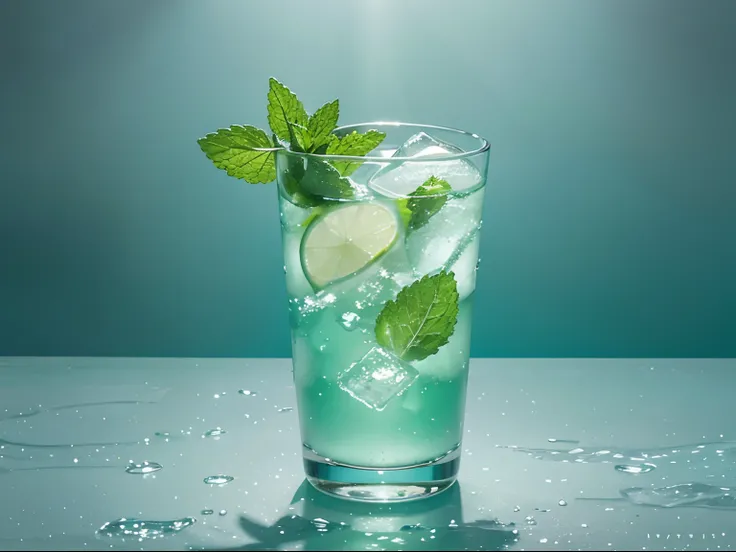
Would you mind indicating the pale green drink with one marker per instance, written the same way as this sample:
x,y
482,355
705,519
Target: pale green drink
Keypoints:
x,y
356,429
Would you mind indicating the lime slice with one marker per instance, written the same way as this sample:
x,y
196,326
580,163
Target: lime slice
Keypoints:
x,y
345,240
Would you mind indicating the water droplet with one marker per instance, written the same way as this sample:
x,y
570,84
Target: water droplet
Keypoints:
x,y
124,528
222,512
286,409
218,479
349,320
415,527
143,468
562,502
214,432
163,434
517,509
543,540
530,520
635,469
76,460
584,525
247,393
207,512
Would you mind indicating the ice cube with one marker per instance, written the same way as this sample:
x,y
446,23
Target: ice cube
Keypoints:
x,y
464,263
377,378
297,284
446,234
292,216
400,180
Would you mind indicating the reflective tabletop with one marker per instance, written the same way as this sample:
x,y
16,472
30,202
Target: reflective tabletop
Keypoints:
x,y
198,454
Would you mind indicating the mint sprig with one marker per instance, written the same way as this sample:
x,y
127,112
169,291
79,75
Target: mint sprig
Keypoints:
x,y
354,144
322,123
235,150
421,319
286,115
424,202
239,148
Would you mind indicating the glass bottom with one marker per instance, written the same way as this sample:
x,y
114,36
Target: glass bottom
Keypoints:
x,y
387,485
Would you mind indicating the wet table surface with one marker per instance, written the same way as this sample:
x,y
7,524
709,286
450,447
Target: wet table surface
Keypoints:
x,y
557,454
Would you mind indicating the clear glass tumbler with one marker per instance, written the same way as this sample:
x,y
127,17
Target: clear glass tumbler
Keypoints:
x,y
381,256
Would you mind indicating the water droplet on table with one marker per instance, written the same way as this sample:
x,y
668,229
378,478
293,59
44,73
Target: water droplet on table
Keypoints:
x,y
530,520
562,502
214,432
125,527
517,509
247,392
207,512
635,469
286,409
143,468
218,479
222,512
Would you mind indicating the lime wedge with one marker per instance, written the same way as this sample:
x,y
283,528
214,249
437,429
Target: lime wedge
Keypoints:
x,y
345,240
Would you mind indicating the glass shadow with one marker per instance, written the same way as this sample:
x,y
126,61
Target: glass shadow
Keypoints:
x,y
316,521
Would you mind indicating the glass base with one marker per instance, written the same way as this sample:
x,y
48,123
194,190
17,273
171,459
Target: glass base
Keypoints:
x,y
387,485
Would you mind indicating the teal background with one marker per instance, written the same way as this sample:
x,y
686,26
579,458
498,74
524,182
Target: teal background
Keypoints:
x,y
610,227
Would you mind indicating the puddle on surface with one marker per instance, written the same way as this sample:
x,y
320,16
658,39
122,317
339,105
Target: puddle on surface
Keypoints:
x,y
140,530
633,461
218,479
143,468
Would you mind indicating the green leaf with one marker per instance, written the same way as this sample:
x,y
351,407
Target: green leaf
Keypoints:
x,y
321,180
426,200
421,319
286,114
322,123
233,150
354,144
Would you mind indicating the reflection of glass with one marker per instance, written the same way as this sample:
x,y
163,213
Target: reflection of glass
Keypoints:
x,y
377,427
316,521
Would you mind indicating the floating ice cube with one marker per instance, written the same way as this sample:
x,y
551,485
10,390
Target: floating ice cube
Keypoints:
x,y
297,284
292,216
401,180
464,263
377,378
446,234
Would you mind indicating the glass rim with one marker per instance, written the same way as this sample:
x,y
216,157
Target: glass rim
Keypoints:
x,y
485,145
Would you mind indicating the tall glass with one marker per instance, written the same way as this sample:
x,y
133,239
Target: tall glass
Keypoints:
x,y
375,426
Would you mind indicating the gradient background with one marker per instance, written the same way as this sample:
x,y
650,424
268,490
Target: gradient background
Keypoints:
x,y
610,227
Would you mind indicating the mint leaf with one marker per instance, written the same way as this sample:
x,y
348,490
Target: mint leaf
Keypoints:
x,y
286,115
322,181
426,200
322,123
353,144
421,319
232,149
